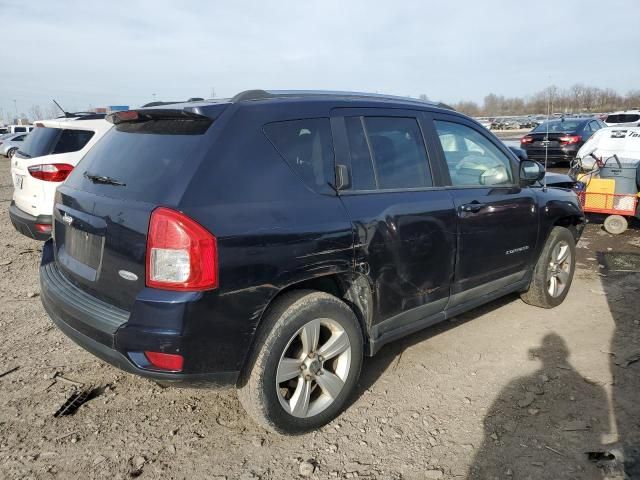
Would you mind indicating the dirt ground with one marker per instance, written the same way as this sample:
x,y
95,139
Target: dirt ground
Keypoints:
x,y
507,391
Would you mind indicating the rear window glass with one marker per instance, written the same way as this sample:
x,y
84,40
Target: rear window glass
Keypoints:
x,y
46,141
623,118
558,126
144,162
40,142
306,145
19,129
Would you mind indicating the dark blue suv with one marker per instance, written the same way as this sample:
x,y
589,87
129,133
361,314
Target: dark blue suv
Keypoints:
x,y
269,241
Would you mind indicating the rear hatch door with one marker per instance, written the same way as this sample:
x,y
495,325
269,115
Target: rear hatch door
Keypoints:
x,y
102,211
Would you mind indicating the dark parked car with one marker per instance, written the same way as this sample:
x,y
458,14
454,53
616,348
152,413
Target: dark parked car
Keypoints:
x,y
271,240
559,140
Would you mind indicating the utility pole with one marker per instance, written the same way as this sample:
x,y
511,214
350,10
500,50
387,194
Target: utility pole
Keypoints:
x,y
213,92
15,105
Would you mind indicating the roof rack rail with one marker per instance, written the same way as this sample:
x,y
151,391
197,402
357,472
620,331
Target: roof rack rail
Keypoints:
x,y
251,95
248,95
159,103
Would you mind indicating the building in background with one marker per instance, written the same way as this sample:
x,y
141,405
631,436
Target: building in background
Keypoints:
x,y
110,109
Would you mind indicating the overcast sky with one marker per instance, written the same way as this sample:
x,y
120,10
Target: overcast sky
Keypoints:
x,y
102,53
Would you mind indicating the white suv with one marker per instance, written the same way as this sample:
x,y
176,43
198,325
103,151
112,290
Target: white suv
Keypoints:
x,y
630,118
45,160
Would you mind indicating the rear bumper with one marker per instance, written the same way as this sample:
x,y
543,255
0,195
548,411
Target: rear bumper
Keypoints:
x,y
563,154
26,224
106,331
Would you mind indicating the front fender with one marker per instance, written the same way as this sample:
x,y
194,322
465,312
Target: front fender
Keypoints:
x,y
559,207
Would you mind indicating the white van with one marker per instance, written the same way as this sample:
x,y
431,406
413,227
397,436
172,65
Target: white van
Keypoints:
x,y
629,118
49,154
621,141
19,128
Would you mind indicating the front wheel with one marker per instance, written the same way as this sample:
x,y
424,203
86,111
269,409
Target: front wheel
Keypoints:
x,y
11,153
553,272
305,365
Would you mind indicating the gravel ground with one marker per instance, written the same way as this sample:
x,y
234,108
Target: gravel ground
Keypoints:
x,y
507,391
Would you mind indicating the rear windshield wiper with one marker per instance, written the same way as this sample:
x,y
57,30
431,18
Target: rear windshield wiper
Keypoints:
x,y
25,155
104,179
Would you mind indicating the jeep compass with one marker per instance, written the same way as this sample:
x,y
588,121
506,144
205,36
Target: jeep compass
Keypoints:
x,y
270,241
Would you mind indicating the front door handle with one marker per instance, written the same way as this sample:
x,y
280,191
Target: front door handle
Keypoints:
x,y
472,207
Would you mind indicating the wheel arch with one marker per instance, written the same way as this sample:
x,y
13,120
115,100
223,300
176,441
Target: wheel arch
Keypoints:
x,y
574,223
352,288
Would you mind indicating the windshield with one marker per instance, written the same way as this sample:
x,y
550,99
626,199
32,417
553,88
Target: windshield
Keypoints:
x,y
559,126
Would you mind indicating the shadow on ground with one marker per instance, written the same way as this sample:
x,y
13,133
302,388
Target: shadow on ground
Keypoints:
x,y
621,285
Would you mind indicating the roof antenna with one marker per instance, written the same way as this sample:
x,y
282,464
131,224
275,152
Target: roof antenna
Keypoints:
x,y
66,114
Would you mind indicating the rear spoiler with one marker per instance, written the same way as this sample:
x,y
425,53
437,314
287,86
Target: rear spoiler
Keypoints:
x,y
143,115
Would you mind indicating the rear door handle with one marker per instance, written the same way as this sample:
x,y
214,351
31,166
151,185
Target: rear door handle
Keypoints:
x,y
472,207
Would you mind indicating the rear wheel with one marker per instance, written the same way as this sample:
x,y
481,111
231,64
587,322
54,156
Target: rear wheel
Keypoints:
x,y
615,224
306,364
553,272
11,153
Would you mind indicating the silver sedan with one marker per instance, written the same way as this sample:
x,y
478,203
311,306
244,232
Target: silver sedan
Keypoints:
x,y
11,142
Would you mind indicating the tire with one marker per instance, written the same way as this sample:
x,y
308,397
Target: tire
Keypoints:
x,y
552,278
615,224
280,343
11,153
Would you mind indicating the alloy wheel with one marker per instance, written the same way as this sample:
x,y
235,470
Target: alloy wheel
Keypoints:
x,y
559,270
313,368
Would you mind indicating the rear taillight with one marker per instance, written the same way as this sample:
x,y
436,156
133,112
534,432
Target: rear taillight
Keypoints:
x,y
43,227
569,139
51,172
526,139
181,253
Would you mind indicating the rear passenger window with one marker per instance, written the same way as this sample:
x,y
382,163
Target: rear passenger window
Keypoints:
x,y
472,159
306,145
387,153
72,141
362,174
399,156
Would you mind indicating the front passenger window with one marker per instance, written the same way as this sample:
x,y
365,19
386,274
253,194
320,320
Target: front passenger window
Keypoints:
x,y
472,159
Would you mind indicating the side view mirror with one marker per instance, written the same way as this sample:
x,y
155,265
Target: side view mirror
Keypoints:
x,y
530,172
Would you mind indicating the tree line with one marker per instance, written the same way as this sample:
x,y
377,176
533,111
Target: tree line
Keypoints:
x,y
578,98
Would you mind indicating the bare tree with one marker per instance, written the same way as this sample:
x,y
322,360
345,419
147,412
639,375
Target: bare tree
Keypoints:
x,y
35,113
467,107
52,111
